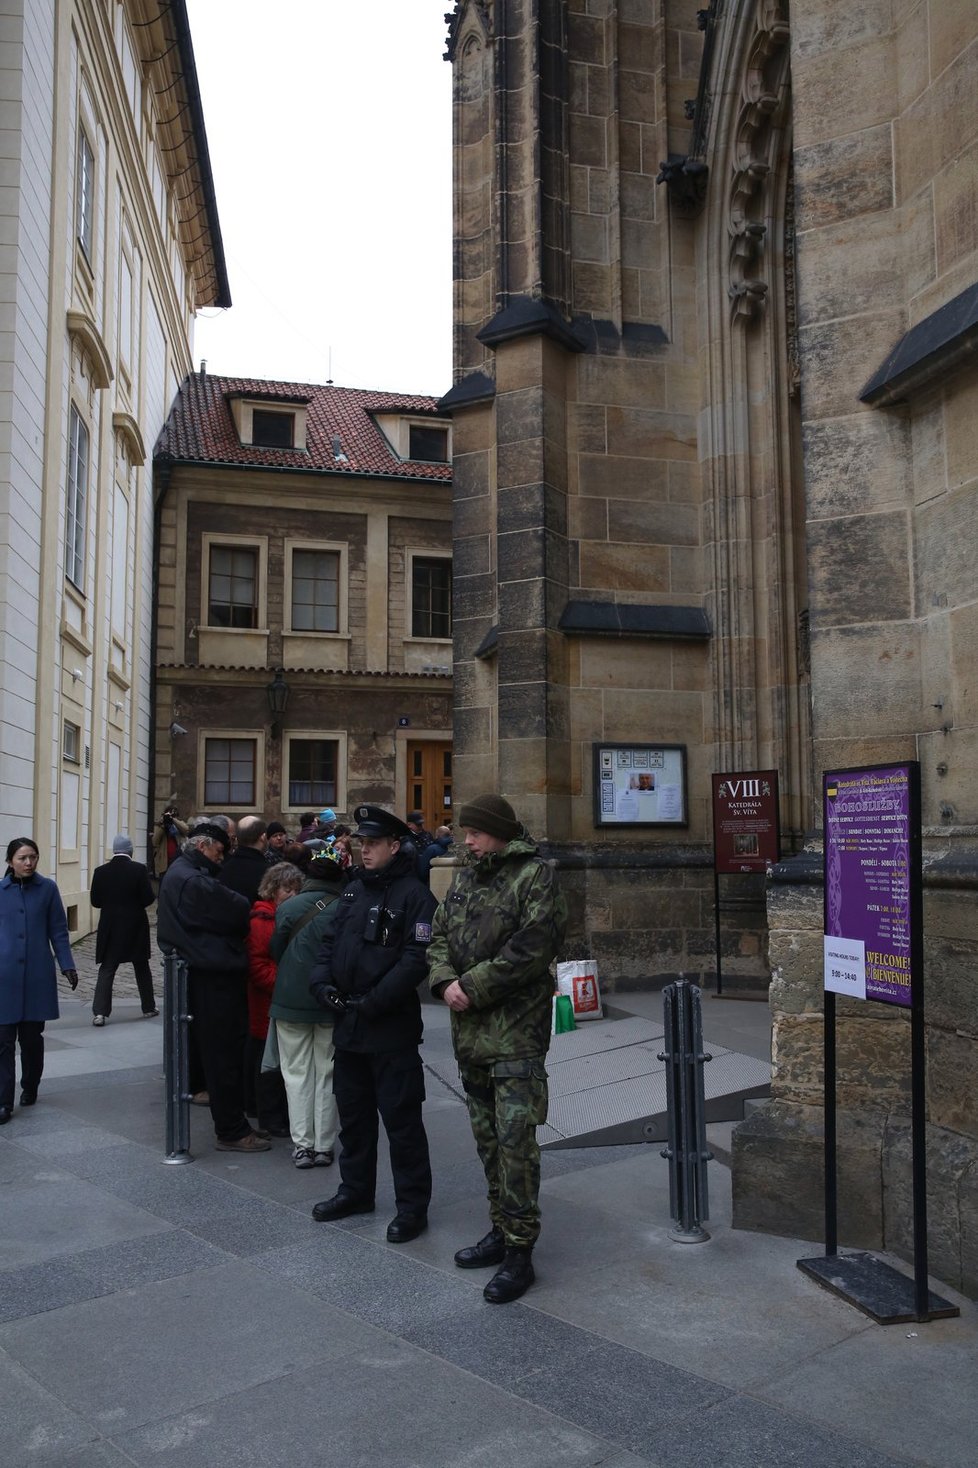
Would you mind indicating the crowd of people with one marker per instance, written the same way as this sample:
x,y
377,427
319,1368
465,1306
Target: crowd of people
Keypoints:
x,y
304,967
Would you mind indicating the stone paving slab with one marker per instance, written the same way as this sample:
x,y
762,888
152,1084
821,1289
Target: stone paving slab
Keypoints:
x,y
235,1330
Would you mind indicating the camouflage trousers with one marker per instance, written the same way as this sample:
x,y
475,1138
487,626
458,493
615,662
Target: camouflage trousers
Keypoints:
x,y
507,1102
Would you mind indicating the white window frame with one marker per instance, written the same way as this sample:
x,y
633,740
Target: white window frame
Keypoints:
x,y
420,553
71,745
85,194
336,547
254,736
236,542
304,736
76,499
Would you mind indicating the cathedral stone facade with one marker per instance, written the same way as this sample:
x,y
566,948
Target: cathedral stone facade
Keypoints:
x,y
715,464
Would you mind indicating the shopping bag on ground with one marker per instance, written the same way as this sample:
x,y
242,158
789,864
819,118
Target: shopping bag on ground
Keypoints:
x,y
563,1015
579,980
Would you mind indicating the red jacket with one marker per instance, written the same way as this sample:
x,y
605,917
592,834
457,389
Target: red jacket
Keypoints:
x,y
261,967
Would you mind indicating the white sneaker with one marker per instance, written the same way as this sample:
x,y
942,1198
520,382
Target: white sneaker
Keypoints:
x,y
303,1157
323,1159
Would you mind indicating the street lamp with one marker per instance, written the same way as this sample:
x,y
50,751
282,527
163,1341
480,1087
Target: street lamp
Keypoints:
x,y
277,694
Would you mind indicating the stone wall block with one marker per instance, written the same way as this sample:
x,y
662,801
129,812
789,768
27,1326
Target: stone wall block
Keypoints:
x,y
937,128
838,357
616,567
883,663
778,1173
860,572
632,664
951,1215
796,972
952,1080
845,90
945,562
968,1214
645,479
856,464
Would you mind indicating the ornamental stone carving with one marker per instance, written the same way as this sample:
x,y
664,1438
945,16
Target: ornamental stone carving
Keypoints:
x,y
762,111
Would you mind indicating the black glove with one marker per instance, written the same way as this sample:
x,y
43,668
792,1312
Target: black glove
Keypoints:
x,y
329,997
71,974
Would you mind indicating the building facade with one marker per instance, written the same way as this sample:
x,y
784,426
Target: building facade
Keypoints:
x,y
715,488
111,244
304,632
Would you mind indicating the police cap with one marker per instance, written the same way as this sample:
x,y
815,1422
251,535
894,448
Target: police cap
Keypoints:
x,y
373,820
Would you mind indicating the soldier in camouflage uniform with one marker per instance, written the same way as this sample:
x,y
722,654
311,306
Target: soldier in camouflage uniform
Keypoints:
x,y
493,941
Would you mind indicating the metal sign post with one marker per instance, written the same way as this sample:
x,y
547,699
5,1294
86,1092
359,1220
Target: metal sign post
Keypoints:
x,y
873,950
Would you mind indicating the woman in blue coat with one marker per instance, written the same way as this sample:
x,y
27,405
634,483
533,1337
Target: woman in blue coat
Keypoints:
x,y
32,924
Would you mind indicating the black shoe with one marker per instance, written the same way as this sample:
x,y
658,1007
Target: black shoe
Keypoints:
x,y
340,1206
513,1280
405,1227
28,1098
489,1250
5,1114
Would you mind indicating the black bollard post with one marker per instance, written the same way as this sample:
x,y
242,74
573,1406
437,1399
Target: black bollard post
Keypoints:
x,y
686,1151
176,1059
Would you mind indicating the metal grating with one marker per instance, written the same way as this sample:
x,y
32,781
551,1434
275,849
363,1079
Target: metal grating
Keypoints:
x,y
607,1084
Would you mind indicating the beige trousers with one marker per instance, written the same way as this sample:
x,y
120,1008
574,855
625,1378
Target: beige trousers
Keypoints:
x,y
306,1058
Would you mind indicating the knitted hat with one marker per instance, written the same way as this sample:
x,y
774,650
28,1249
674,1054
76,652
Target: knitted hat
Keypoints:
x,y
327,815
493,815
275,828
121,846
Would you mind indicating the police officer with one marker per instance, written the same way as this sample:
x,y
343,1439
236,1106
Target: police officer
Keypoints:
x,y
367,975
494,939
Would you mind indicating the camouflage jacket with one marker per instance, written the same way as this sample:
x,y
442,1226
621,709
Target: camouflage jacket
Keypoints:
x,y
497,932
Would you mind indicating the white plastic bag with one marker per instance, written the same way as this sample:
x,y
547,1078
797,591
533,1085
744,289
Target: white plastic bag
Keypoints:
x,y
579,980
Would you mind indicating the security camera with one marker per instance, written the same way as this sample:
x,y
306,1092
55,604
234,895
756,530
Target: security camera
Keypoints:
x,y
176,729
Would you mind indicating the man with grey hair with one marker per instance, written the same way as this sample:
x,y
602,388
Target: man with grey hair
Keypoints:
x,y
121,891
206,923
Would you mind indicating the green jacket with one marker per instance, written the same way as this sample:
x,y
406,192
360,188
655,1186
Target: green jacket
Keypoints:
x,y
497,932
296,956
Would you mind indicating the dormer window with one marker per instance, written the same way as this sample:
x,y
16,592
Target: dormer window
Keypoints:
x,y
429,443
270,423
272,430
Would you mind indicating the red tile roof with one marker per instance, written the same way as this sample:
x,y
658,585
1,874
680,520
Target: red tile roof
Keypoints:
x,y
201,429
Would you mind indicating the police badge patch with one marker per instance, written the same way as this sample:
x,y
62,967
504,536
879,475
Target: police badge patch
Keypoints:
x,y
422,932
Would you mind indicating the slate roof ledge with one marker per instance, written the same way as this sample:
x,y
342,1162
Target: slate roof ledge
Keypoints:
x,y
531,316
475,387
631,619
942,341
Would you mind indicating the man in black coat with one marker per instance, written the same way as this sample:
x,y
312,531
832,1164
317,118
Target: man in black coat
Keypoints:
x,y
243,870
207,924
121,890
367,975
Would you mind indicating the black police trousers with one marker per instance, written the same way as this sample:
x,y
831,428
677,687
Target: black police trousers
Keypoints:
x,y
391,1085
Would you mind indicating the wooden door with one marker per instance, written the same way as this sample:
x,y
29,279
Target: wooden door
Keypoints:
x,y
429,782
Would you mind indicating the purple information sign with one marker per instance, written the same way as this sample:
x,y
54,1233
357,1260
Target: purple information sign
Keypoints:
x,y
868,875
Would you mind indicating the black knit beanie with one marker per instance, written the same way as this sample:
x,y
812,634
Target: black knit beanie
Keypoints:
x,y
492,814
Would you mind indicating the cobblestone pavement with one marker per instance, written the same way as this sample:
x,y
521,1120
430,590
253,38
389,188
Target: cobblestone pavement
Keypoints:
x,y
124,985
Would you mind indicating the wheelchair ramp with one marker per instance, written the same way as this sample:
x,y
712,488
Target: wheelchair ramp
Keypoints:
x,y
607,1084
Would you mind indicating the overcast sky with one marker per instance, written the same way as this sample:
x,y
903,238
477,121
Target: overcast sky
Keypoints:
x,y
329,126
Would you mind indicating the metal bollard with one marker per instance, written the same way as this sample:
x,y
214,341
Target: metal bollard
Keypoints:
x,y
176,1058
686,1151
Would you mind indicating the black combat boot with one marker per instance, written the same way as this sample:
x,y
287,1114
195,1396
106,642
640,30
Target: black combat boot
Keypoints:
x,y
489,1250
514,1279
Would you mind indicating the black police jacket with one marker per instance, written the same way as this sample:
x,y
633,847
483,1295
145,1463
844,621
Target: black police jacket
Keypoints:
x,y
376,955
201,919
